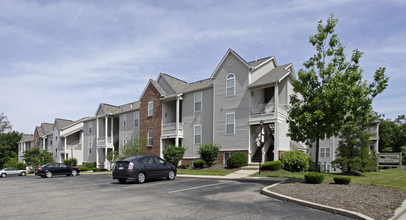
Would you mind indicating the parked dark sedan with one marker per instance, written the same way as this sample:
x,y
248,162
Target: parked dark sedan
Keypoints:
x,y
141,168
48,170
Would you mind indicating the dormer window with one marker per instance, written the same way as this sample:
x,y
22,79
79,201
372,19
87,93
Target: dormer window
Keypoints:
x,y
151,107
230,85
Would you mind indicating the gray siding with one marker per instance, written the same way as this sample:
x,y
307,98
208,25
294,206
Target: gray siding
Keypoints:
x,y
87,139
166,86
238,104
191,118
128,131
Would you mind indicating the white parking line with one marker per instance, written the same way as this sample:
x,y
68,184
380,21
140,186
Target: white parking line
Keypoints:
x,y
154,184
197,187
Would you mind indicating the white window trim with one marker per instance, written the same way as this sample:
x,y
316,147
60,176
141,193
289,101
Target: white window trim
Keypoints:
x,y
194,134
136,119
329,152
148,137
149,109
324,152
90,147
230,87
231,113
125,120
201,101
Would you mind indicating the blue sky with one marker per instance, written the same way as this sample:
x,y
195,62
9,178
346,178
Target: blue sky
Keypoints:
x,y
60,59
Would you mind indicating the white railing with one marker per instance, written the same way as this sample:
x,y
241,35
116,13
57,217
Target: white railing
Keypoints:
x,y
101,141
170,128
262,109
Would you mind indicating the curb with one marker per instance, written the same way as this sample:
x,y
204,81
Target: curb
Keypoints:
x,y
333,210
248,179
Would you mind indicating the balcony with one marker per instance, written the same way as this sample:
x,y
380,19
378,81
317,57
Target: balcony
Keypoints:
x,y
101,142
169,130
266,112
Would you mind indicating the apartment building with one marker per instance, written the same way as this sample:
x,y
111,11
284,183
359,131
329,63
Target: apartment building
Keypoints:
x,y
26,143
43,136
58,142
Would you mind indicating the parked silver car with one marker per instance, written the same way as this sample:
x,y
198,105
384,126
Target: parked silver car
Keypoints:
x,y
12,172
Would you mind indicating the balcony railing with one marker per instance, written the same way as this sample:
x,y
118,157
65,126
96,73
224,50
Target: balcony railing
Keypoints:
x,y
169,129
101,141
262,109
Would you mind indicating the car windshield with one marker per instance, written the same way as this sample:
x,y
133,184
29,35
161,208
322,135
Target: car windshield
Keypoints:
x,y
44,165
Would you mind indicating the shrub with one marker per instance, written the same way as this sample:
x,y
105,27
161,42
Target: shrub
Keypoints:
x,y
184,166
272,165
31,171
95,169
174,154
209,152
342,180
90,165
295,161
198,163
72,162
237,160
314,178
21,166
84,169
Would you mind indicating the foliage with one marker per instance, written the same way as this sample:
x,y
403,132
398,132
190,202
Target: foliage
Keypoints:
x,y
13,162
205,172
403,150
173,154
272,165
90,165
314,178
184,166
392,134
72,162
330,92
134,147
353,151
36,158
84,169
95,169
112,157
237,160
342,180
209,152
8,146
295,161
4,124
198,163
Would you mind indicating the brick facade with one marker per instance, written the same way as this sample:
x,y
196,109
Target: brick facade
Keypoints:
x,y
151,122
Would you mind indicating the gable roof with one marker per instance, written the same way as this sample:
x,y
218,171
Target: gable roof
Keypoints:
x,y
26,138
40,131
198,85
107,108
229,51
132,106
47,129
176,84
62,122
275,75
256,63
157,87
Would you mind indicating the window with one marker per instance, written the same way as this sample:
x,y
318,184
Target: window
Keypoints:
x,y
327,152
227,155
136,116
230,123
198,102
150,137
198,134
90,147
124,120
322,154
90,128
230,85
151,107
124,141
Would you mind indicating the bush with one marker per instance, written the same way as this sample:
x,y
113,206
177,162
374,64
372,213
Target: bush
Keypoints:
x,y
342,180
198,163
31,171
84,169
95,169
184,166
314,178
209,152
237,160
90,165
174,154
295,161
72,162
272,165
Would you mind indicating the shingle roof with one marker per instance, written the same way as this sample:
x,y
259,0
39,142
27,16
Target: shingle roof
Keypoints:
x,y
198,85
109,109
40,131
258,62
63,122
159,87
272,76
47,128
129,107
177,84
26,137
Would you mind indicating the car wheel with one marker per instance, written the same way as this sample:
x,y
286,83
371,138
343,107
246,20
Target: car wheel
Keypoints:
x,y
3,175
48,174
141,178
74,172
171,175
23,174
122,180
42,176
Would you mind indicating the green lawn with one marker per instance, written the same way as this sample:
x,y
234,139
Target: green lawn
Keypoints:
x,y
391,178
205,172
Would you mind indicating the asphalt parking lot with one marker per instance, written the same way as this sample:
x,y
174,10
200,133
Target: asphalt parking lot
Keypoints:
x,y
101,197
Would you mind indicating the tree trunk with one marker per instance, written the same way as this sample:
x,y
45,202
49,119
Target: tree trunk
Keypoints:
x,y
317,156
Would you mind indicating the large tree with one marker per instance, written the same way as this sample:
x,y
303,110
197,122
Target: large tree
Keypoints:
x,y
392,134
4,124
8,146
35,157
330,92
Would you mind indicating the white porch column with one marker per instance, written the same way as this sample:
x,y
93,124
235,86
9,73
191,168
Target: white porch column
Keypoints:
x,y
276,132
177,122
64,149
106,137
97,140
111,130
